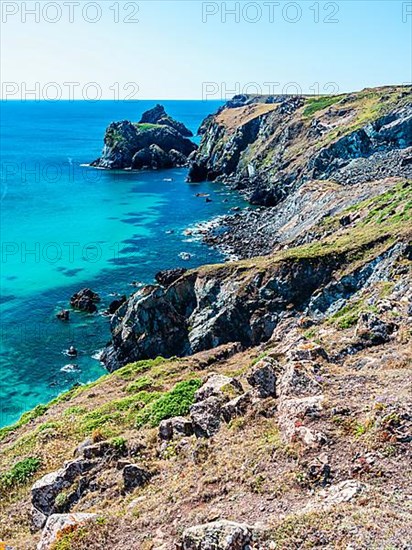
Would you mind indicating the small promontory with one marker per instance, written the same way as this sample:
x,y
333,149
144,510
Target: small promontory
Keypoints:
x,y
157,141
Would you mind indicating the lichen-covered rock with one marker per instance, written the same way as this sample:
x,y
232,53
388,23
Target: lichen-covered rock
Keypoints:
x,y
46,489
307,351
221,386
253,152
203,310
292,415
177,426
298,379
262,377
58,523
237,406
206,416
219,535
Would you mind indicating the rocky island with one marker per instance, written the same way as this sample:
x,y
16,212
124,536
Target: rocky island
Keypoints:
x,y
157,141
260,404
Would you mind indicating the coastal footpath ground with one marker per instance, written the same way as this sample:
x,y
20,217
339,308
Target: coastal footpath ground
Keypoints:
x,y
258,404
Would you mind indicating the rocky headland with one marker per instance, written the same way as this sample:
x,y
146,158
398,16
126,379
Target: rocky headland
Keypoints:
x,y
157,141
291,154
264,403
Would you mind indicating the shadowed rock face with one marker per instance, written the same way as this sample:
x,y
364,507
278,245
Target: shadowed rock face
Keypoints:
x,y
268,147
156,142
202,310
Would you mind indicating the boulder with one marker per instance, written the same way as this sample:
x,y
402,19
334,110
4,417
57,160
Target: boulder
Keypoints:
x,y
45,491
298,380
263,378
292,413
237,406
134,476
343,491
85,300
177,158
153,157
373,331
206,416
308,351
219,535
58,523
220,386
177,426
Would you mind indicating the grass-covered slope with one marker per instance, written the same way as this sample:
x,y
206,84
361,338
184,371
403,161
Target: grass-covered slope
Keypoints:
x,y
268,147
251,471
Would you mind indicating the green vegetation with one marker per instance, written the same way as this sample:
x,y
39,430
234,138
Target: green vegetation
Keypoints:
x,y
173,403
20,472
348,315
119,444
142,383
129,371
147,126
61,499
318,103
24,419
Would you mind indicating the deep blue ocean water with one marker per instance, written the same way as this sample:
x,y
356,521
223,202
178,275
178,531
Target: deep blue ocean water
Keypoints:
x,y
65,226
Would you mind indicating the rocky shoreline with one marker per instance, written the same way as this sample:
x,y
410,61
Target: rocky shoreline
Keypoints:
x,y
262,403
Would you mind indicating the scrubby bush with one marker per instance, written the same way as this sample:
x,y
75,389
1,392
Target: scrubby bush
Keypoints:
x,y
173,403
20,472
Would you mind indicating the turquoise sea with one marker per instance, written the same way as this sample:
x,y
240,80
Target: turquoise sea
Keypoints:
x,y
65,226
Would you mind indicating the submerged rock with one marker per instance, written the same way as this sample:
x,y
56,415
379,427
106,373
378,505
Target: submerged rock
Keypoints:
x,y
115,304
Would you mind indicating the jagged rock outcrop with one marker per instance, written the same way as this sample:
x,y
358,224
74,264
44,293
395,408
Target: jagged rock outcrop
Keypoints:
x,y
85,300
156,142
158,115
268,149
204,309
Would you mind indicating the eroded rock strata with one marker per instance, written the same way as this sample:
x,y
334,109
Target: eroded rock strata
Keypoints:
x,y
262,404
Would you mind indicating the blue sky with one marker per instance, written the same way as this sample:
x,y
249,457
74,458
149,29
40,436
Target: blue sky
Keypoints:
x,y
194,49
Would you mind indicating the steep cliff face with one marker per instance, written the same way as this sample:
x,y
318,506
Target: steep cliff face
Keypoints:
x,y
286,421
244,301
269,148
157,141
